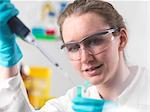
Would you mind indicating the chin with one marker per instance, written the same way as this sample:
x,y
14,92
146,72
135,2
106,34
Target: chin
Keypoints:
x,y
96,80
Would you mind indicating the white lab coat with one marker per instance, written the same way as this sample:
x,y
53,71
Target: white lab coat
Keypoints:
x,y
135,98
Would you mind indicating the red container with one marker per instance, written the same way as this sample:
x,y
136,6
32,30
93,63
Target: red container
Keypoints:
x,y
50,32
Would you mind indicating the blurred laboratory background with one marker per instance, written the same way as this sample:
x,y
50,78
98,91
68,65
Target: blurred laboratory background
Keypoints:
x,y
42,79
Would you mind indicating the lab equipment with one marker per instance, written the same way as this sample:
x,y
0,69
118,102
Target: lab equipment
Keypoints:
x,y
24,33
44,34
82,90
37,85
10,53
82,102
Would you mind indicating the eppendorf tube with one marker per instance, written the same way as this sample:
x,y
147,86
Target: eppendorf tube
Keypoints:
x,y
82,90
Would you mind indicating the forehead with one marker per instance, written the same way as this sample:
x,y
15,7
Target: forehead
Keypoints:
x,y
76,27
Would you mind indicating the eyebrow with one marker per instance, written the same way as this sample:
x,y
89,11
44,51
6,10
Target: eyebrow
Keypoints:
x,y
74,42
88,36
98,33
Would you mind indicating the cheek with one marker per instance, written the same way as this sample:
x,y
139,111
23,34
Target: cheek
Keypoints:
x,y
76,65
111,58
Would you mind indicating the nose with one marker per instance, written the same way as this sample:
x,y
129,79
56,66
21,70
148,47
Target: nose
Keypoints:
x,y
86,55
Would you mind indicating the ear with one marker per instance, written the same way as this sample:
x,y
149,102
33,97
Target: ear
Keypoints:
x,y
123,39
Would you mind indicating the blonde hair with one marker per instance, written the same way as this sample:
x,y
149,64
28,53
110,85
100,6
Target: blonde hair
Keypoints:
x,y
101,8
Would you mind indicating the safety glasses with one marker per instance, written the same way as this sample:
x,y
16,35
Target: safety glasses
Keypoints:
x,y
94,44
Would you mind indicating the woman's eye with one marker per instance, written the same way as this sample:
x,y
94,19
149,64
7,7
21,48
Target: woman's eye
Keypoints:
x,y
95,41
73,48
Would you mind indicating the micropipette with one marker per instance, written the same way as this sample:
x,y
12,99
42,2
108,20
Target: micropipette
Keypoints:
x,y
18,27
24,33
31,40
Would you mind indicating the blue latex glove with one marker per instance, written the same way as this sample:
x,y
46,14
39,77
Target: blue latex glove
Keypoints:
x,y
10,53
81,104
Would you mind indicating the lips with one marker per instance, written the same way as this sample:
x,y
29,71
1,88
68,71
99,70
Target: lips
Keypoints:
x,y
92,71
93,68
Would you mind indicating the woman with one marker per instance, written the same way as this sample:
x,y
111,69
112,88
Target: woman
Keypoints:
x,y
95,36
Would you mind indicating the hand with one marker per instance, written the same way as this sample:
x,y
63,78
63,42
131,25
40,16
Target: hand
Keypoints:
x,y
10,53
81,104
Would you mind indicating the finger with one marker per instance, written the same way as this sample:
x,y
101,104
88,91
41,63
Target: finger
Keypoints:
x,y
5,6
111,105
85,108
87,101
7,15
1,1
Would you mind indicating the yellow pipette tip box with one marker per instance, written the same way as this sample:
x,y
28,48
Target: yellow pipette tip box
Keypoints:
x,y
38,85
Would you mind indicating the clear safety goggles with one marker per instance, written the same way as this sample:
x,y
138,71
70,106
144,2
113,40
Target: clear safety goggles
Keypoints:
x,y
94,44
